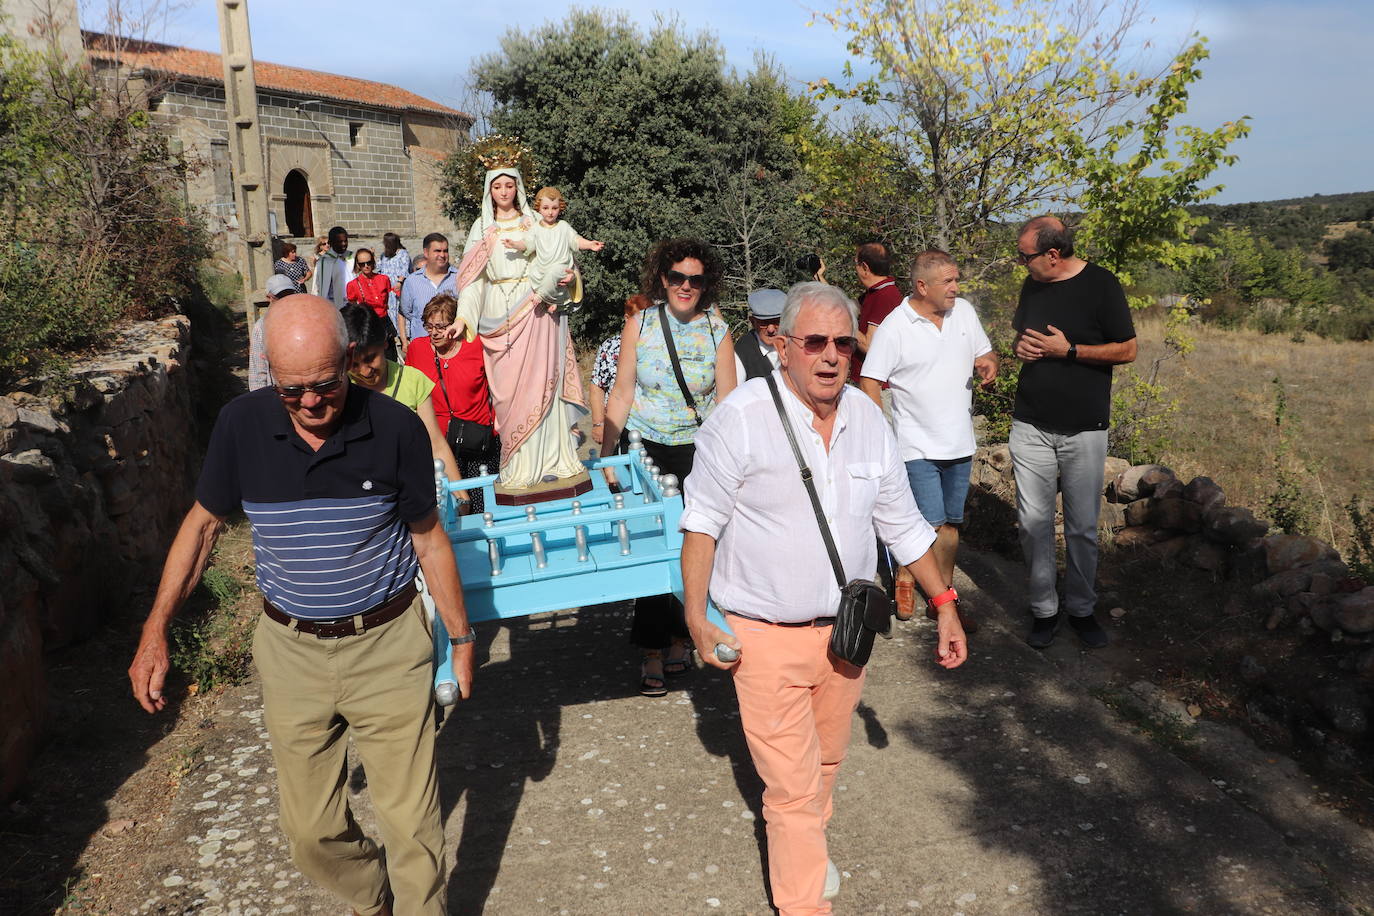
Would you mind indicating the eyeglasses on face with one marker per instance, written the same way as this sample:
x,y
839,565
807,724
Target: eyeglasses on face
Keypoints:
x,y
296,392
677,278
434,328
1026,258
812,344
365,263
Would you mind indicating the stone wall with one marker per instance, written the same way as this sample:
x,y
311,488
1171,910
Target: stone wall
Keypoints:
x,y
90,494
1282,581
353,158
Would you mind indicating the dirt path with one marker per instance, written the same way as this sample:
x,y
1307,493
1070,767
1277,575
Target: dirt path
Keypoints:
x,y
1007,787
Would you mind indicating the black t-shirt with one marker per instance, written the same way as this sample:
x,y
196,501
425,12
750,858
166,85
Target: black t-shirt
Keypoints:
x,y
1090,308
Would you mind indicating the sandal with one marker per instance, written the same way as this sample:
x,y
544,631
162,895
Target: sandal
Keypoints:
x,y
651,684
678,665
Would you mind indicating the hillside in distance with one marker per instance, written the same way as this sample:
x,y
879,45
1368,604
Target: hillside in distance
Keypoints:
x,y
1297,222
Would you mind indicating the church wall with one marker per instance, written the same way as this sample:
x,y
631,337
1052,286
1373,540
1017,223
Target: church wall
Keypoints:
x,y
354,158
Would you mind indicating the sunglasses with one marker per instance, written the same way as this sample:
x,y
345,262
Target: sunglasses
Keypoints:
x,y
365,263
677,278
296,392
1025,258
816,343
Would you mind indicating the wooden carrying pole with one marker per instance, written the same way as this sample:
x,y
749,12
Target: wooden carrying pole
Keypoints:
x,y
245,153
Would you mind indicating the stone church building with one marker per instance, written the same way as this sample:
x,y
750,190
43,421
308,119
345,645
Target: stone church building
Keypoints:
x,y
338,150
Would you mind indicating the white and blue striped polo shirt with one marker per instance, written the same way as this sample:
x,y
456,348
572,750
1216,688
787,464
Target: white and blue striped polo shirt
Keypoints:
x,y
330,526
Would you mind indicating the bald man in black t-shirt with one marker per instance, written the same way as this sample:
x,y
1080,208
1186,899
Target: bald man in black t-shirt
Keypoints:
x,y
1072,326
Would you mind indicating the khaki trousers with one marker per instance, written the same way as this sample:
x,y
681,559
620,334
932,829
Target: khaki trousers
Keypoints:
x,y
377,686
796,704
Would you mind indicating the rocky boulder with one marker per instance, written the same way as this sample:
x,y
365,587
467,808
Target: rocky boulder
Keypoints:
x,y
1290,551
1138,482
1233,525
1204,492
1174,514
1355,612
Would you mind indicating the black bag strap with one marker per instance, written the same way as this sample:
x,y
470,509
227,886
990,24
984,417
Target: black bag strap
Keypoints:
x,y
439,371
809,484
677,367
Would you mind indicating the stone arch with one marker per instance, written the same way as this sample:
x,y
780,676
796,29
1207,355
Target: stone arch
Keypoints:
x,y
300,218
311,159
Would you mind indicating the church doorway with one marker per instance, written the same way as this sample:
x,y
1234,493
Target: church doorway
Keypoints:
x,y
300,222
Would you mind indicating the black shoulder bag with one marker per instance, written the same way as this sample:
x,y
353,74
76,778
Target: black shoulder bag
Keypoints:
x,y
467,438
865,610
677,367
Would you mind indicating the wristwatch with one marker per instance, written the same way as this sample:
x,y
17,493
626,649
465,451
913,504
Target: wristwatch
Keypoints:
x,y
469,636
1073,352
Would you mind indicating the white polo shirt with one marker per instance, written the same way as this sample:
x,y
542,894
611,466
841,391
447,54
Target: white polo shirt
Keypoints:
x,y
930,372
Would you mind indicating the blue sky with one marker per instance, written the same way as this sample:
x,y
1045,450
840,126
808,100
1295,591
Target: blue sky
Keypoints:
x,y
1300,71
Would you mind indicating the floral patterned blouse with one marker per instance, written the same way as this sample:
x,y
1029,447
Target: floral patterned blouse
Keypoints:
x,y
659,412
604,366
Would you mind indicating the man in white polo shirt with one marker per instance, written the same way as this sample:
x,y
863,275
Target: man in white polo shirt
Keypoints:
x,y
928,351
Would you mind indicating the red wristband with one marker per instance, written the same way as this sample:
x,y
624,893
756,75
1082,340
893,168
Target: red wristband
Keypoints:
x,y
943,598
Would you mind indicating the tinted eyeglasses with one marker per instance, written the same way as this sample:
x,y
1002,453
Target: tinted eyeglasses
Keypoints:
x,y
296,392
1026,258
677,278
812,344
362,264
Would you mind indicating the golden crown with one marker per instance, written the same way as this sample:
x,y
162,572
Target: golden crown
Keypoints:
x,y
498,152
473,161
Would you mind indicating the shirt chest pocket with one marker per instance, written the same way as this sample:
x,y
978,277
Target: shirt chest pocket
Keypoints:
x,y
863,486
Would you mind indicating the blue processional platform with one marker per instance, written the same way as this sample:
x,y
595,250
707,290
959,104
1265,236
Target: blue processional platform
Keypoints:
x,y
565,553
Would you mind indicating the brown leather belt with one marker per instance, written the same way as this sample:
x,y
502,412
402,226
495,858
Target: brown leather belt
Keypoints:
x,y
818,622
345,626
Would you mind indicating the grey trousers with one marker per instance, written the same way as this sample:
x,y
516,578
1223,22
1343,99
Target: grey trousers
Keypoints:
x,y
1046,463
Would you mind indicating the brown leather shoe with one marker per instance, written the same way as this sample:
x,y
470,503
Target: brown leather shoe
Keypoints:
x,y
904,593
968,623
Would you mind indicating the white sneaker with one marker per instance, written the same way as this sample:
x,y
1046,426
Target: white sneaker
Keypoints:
x,y
832,881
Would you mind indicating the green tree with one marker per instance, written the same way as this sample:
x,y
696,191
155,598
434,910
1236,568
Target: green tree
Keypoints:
x,y
648,136
91,225
1008,107
1353,251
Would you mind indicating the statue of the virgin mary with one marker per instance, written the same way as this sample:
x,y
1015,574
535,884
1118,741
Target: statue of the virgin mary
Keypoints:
x,y
536,388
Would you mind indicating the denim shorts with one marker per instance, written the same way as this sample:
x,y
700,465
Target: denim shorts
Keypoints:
x,y
940,487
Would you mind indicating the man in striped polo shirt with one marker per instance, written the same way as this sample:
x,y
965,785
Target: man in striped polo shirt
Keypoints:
x,y
337,484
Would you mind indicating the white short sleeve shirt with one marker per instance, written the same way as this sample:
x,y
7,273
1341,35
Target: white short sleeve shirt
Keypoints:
x,y
930,372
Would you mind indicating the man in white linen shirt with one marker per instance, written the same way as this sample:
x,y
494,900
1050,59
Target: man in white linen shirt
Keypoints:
x,y
927,351
781,603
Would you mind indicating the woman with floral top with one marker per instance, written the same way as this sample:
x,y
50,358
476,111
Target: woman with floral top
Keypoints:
x,y
680,282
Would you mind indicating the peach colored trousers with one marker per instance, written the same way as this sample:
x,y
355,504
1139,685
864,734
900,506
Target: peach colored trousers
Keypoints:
x,y
796,704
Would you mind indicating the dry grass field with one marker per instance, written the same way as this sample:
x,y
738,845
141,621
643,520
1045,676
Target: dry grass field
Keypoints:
x,y
1225,425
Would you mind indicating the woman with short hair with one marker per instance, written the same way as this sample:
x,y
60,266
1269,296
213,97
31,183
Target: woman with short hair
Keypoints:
x,y
460,398
292,266
369,367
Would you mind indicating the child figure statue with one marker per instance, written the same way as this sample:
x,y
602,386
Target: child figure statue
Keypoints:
x,y
555,246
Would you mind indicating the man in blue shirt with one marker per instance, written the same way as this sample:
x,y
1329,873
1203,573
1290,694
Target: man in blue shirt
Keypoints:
x,y
337,484
437,276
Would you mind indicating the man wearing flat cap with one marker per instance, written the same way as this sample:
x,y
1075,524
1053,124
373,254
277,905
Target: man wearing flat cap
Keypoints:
x,y
755,354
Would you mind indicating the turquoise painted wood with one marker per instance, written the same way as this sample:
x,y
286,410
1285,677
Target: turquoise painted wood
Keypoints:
x,y
598,548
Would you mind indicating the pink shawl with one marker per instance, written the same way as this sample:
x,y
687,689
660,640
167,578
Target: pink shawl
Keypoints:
x,y
522,359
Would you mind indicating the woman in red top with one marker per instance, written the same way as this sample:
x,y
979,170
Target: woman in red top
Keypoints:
x,y
368,288
371,289
462,402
